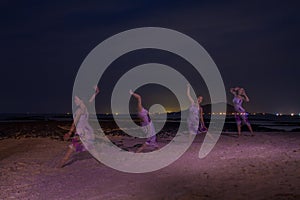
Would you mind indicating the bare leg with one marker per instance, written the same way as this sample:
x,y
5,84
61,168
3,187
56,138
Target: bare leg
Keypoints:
x,y
66,157
250,129
141,148
245,119
210,136
239,129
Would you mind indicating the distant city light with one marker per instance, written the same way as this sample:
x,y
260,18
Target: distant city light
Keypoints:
x,y
277,114
292,114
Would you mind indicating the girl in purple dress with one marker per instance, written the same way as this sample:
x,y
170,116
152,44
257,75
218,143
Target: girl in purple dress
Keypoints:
x,y
240,114
146,123
195,117
84,131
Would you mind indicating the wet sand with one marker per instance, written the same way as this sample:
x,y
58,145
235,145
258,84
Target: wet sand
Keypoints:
x,y
266,166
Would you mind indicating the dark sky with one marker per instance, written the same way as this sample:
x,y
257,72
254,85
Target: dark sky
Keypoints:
x,y
255,44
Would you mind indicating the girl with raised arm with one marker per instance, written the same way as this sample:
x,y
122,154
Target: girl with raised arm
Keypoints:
x,y
146,123
84,131
240,114
195,114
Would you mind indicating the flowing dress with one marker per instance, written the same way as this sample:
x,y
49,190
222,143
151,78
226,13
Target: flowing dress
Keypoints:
x,y
148,127
240,114
84,133
193,119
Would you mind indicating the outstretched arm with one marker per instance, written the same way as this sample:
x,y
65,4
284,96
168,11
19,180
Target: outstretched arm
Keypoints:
x,y
139,99
188,93
95,94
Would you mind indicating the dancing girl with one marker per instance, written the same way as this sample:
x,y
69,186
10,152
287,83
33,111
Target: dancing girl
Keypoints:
x,y
195,119
84,131
240,113
146,123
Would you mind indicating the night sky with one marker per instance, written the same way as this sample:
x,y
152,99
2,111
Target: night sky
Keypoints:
x,y
255,45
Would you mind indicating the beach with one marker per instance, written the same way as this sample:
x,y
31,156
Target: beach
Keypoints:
x,y
266,166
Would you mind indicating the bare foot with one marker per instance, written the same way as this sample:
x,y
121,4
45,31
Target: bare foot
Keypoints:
x,y
140,149
62,163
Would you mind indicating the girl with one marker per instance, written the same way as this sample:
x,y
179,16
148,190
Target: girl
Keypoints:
x,y
146,123
195,115
240,115
84,131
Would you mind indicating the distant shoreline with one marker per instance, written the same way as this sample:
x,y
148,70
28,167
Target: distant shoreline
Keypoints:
x,y
50,128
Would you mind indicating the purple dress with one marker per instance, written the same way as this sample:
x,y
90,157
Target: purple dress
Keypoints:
x,y
240,114
84,132
193,119
148,127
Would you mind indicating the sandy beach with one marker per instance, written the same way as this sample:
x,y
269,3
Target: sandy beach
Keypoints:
x,y
262,167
